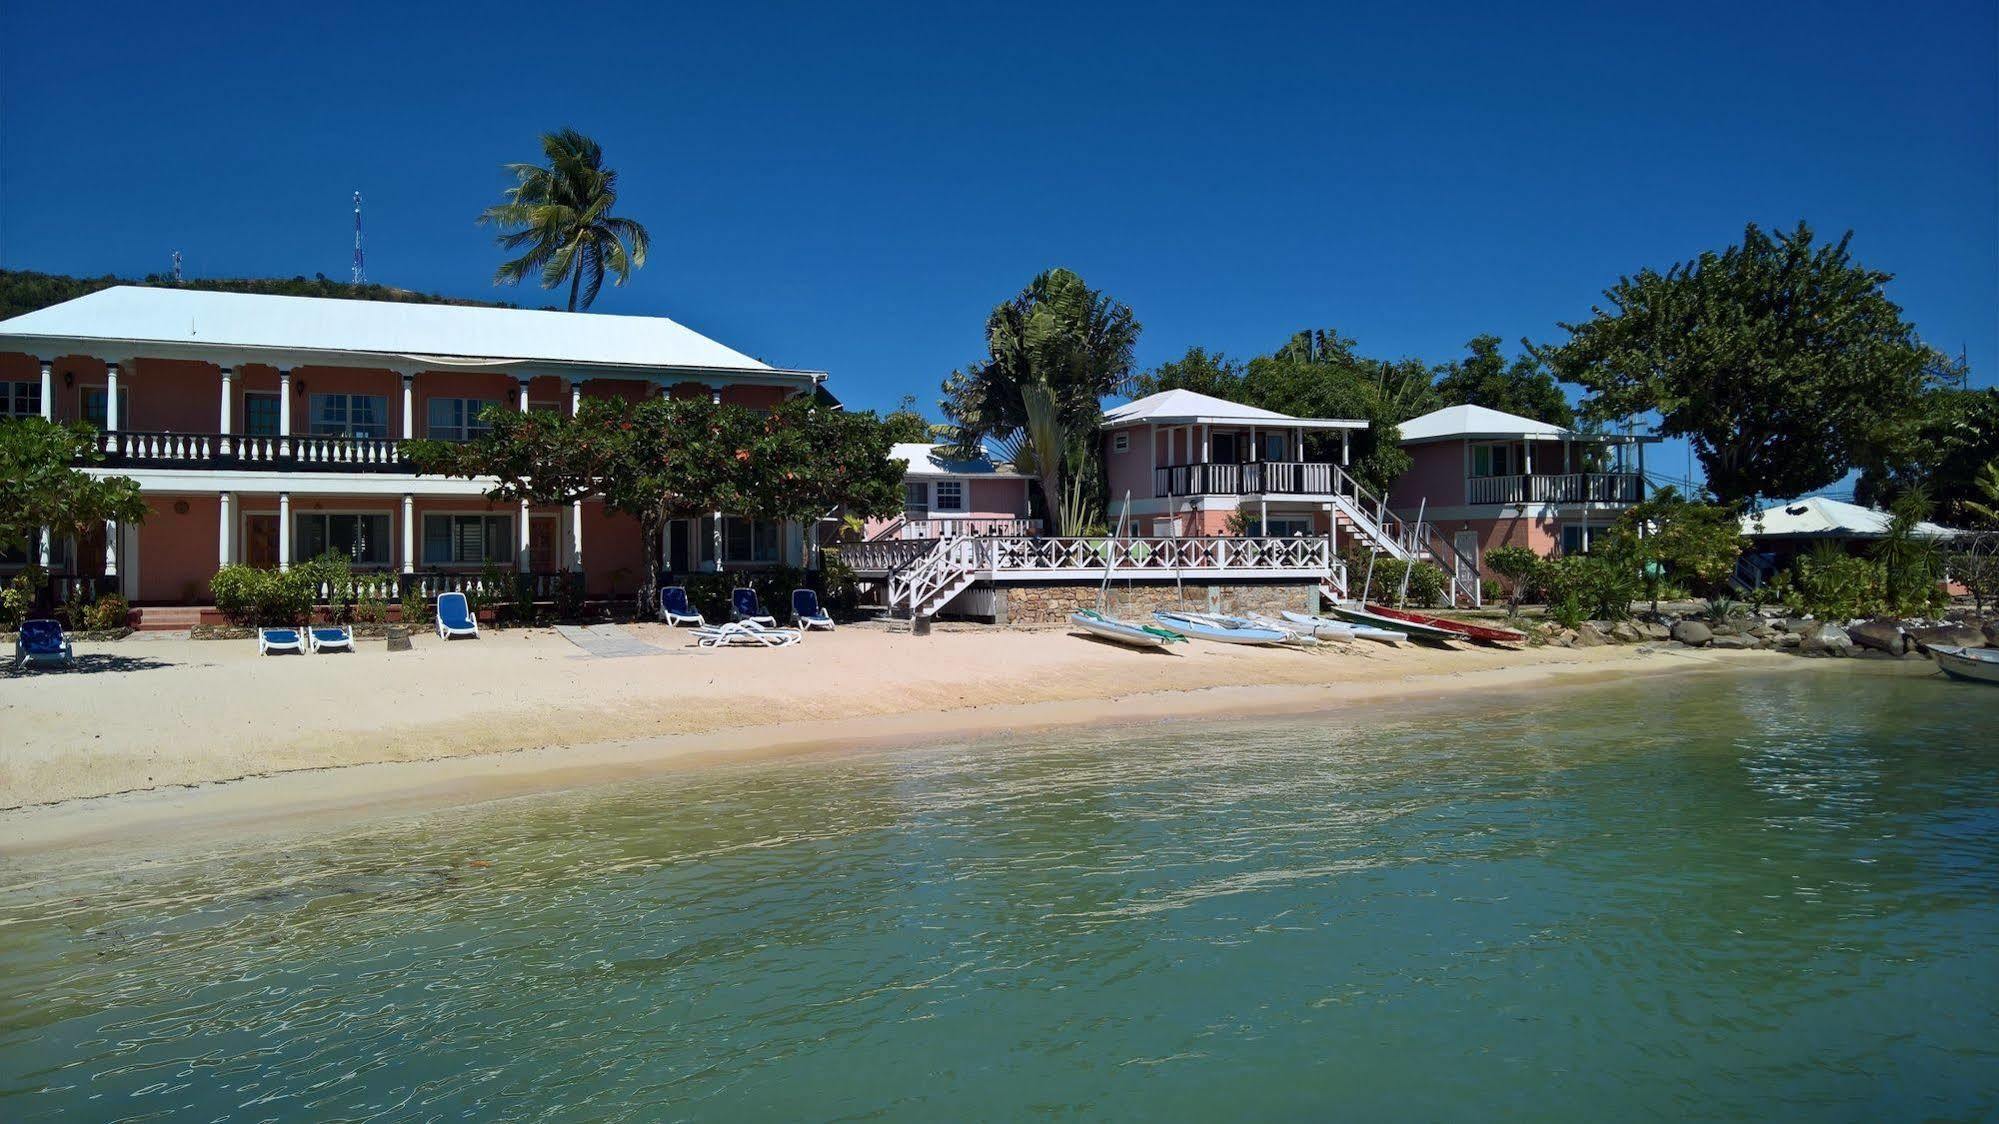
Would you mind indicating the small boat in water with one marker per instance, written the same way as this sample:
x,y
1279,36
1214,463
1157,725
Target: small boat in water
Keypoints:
x,y
1123,631
1466,629
1409,630
1327,628
1223,630
1974,665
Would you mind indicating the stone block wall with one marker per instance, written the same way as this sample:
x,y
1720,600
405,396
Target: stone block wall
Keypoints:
x,y
1052,602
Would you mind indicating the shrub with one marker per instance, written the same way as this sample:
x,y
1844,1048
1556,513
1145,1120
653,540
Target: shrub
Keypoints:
x,y
370,610
252,597
1519,566
1588,587
709,593
18,599
415,608
1831,584
108,612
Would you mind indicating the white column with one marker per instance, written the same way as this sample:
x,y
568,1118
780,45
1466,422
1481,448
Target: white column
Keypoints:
x,y
575,396
715,399
222,529
284,417
42,550
717,541
521,554
111,408
228,400
1346,446
1527,460
1205,453
284,530
1641,462
576,536
409,405
110,548
524,395
409,532
48,390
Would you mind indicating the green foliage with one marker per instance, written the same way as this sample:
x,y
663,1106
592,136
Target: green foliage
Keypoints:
x,y
1944,449
1426,583
710,593
1831,584
1485,378
265,598
1985,485
108,613
41,485
1671,537
1053,353
1783,363
1912,564
25,291
1599,586
1519,566
415,608
18,598
907,425
560,215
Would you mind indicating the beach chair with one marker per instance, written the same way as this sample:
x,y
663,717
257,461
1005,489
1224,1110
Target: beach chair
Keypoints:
x,y
747,634
330,638
743,600
806,611
42,642
674,608
454,617
279,640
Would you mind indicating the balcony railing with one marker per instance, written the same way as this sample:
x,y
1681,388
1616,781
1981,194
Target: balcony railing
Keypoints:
x,y
935,527
296,453
1578,487
1273,478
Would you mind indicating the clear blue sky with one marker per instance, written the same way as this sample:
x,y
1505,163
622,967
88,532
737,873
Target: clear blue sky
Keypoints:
x,y
853,189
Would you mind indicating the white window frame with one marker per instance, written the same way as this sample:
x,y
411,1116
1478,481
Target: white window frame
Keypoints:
x,y
346,425
277,416
508,542
124,402
1121,441
468,427
389,544
10,389
960,502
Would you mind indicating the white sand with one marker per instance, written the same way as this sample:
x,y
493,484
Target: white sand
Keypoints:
x,y
183,713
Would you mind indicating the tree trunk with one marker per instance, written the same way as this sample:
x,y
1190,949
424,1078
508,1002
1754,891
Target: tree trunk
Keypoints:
x,y
575,280
1051,491
650,528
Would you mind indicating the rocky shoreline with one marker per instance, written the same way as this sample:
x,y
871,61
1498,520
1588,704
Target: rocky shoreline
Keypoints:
x,y
1806,636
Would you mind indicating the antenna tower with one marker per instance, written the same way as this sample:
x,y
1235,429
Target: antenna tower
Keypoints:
x,y
360,273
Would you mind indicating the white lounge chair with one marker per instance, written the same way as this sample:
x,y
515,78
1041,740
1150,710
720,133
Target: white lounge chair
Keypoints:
x,y
674,608
279,640
454,617
330,638
745,634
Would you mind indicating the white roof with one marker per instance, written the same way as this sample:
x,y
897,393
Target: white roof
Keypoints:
x,y
1187,407
186,320
1455,422
1819,517
929,461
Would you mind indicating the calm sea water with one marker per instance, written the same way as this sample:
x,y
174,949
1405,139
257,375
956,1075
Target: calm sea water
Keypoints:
x,y
1759,898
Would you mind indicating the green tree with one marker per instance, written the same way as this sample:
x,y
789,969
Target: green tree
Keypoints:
x,y
1986,483
1519,566
1782,362
682,458
1912,563
1485,378
907,425
43,485
1697,543
1954,434
1053,353
561,216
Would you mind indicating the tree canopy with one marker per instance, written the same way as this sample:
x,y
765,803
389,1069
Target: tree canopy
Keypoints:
x,y
24,290
1053,353
1781,361
41,484
560,215
1485,378
681,458
1954,434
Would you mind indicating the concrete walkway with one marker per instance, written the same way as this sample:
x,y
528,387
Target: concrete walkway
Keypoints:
x,y
606,641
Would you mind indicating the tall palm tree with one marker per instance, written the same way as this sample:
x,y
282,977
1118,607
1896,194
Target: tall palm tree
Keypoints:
x,y
561,215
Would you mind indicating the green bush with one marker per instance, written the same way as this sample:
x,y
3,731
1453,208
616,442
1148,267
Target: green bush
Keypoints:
x,y
1831,584
1583,587
709,593
252,597
1519,566
109,612
18,599
1427,583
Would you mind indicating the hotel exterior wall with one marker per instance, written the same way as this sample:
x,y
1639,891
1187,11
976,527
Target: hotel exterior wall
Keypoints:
x,y
613,552
1131,470
177,550
1436,474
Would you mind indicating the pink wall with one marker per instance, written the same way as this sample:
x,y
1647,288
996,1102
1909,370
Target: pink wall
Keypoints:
x,y
998,499
1131,470
177,551
1437,474
613,552
755,397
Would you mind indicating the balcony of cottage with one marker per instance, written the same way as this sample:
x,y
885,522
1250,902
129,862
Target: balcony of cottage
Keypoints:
x,y
1475,458
1179,443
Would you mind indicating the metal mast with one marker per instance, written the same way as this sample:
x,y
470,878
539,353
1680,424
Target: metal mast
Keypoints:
x,y
360,274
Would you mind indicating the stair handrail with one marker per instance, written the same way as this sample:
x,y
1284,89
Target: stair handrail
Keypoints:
x,y
1412,540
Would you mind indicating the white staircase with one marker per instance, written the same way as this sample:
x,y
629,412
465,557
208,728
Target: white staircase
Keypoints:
x,y
1362,515
930,582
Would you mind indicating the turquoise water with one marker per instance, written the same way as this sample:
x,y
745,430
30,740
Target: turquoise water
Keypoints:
x,y
1755,898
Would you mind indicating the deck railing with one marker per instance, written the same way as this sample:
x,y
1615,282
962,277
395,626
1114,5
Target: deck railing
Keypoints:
x,y
1273,478
296,453
939,528
1574,487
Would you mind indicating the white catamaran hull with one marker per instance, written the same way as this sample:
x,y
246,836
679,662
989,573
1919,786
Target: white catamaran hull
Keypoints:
x,y
1123,632
1196,626
1975,665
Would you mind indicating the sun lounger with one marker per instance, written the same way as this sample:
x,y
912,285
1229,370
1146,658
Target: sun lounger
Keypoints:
x,y
330,638
744,601
745,634
454,617
42,642
806,611
674,608
279,640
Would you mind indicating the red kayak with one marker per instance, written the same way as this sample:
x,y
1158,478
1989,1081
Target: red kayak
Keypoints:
x,y
1473,631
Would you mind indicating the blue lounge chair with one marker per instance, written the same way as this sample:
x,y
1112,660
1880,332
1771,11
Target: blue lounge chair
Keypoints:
x,y
805,609
42,642
454,617
744,601
279,640
674,608
330,638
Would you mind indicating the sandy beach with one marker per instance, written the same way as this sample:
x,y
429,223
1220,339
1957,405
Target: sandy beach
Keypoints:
x,y
137,739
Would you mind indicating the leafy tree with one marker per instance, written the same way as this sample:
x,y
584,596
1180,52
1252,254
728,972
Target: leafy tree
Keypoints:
x,y
1783,363
561,215
42,485
907,425
1518,565
1485,378
1912,564
681,458
1954,434
1986,483
1697,543
1053,353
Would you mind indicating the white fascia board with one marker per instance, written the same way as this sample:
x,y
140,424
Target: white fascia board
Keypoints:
x,y
299,484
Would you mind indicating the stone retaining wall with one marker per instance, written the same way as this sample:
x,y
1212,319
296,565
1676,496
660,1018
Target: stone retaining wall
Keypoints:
x,y
1051,603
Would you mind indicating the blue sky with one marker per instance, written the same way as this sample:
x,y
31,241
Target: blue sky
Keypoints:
x,y
852,189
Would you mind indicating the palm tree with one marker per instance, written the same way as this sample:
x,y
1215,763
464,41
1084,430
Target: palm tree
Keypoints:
x,y
562,215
